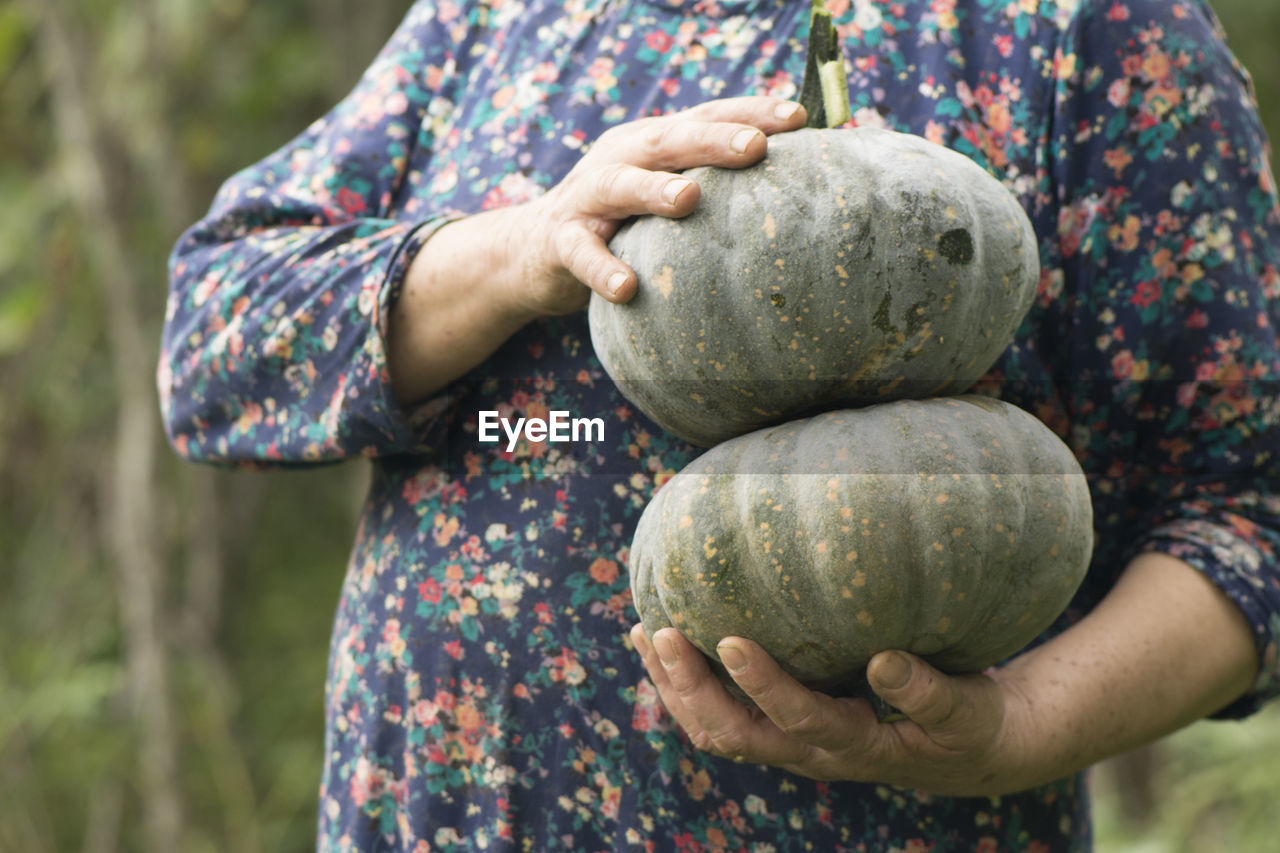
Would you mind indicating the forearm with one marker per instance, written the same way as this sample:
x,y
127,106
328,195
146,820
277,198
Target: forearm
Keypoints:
x,y
1162,650
456,306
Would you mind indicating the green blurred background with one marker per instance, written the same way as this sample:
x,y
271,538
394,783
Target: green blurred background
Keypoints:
x,y
163,628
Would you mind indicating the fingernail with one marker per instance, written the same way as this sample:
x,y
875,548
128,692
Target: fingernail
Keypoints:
x,y
893,671
615,282
732,658
785,110
674,187
742,139
666,650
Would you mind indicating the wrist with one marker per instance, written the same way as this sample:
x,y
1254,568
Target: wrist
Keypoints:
x,y
1021,746
478,260
455,307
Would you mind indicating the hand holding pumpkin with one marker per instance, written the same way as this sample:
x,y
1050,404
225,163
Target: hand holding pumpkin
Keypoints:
x,y
484,276
629,171
960,737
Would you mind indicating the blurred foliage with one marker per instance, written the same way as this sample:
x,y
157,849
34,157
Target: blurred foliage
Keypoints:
x,y
158,101
1213,790
178,94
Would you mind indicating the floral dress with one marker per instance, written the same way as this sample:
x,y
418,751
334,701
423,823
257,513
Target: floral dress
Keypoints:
x,y
482,693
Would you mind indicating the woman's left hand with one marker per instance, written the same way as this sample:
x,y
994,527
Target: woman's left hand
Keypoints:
x,y
961,737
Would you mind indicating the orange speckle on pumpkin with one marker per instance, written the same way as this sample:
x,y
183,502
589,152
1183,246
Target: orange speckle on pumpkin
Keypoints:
x,y
686,521
770,227
664,282
943,498
864,618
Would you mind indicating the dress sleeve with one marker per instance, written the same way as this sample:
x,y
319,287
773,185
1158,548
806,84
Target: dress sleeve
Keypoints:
x,y
274,345
1169,249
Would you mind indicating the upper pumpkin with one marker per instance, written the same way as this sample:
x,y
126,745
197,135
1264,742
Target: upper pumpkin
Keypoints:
x,y
848,267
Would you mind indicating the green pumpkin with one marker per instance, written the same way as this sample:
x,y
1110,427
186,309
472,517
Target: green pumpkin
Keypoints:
x,y
848,267
955,528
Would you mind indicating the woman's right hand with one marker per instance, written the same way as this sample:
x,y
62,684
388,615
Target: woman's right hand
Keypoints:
x,y
480,278
629,171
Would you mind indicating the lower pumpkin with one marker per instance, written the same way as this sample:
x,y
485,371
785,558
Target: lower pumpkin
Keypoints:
x,y
954,528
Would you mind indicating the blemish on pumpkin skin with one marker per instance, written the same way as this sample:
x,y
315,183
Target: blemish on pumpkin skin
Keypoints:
x,y
956,246
664,282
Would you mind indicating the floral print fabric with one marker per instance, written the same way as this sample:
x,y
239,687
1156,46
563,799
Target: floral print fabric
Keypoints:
x,y
482,694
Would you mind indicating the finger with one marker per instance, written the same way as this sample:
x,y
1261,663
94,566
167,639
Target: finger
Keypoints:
x,y
673,144
814,718
716,722
657,672
934,701
658,675
771,115
694,695
585,255
620,190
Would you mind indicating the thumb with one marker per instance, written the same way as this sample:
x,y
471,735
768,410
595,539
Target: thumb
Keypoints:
x,y
925,695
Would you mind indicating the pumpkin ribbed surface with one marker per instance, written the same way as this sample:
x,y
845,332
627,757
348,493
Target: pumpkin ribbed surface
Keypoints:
x,y
954,528
848,267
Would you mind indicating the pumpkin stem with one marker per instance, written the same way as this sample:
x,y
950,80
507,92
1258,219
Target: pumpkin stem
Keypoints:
x,y
824,91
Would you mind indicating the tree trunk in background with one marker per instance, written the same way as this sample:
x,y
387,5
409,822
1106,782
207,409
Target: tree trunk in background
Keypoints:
x,y
129,510
1133,776
353,32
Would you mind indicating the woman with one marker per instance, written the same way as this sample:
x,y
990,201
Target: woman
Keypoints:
x,y
420,255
